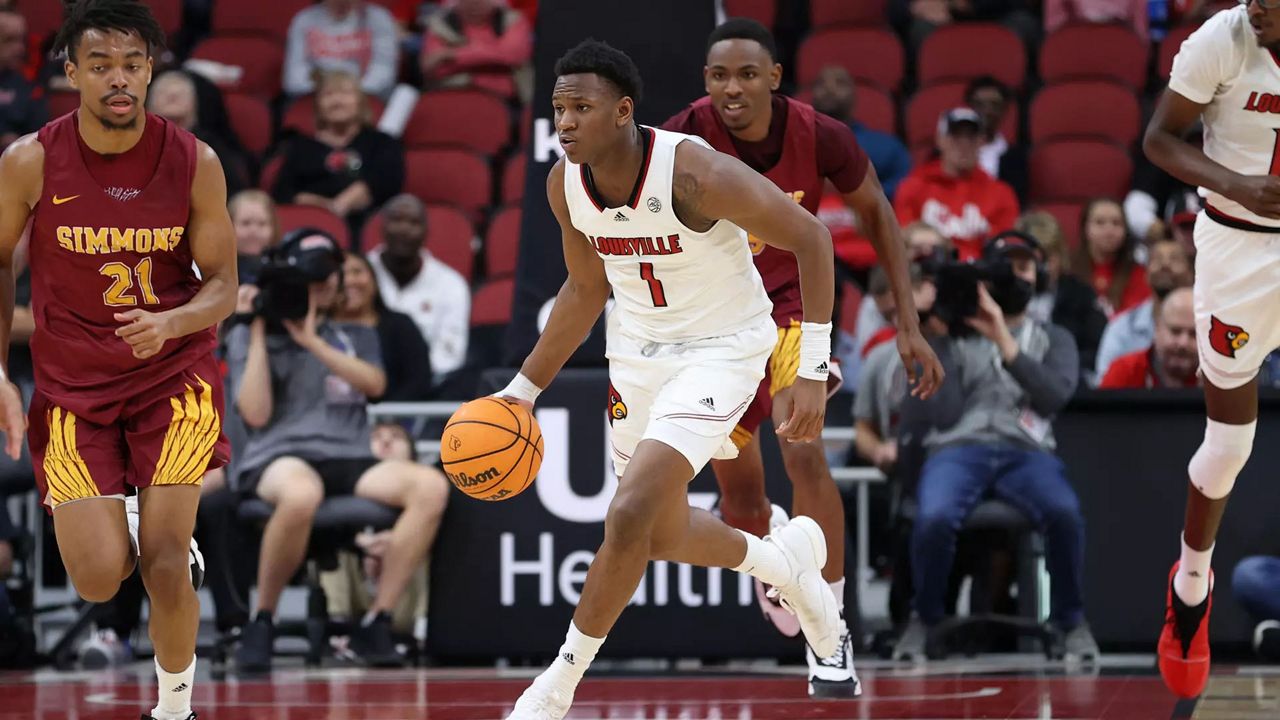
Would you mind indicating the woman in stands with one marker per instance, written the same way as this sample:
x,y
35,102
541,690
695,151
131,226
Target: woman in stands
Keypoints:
x,y
405,355
1106,257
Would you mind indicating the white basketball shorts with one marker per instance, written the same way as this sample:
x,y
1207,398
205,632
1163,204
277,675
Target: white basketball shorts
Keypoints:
x,y
688,395
1237,301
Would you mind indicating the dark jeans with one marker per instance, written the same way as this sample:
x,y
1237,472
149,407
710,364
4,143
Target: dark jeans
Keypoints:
x,y
1256,583
956,479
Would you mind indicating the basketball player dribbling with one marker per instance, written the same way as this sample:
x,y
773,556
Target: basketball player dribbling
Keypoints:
x,y
122,204
659,218
799,149
1226,74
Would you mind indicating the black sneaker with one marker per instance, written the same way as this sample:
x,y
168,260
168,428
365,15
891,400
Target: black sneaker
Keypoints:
x,y
257,643
373,643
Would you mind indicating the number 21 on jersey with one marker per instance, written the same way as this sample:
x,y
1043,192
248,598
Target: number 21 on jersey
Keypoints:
x,y
122,282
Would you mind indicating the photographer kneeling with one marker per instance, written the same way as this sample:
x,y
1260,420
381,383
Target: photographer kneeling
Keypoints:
x,y
301,383
991,433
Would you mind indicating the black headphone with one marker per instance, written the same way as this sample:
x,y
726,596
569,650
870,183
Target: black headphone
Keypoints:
x,y
998,245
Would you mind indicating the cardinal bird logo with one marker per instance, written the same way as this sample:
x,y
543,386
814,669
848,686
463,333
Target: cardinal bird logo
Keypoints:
x,y
1226,339
617,408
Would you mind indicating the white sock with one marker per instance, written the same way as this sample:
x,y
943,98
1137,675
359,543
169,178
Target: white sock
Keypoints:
x,y
1192,580
175,693
574,658
837,587
764,561
131,521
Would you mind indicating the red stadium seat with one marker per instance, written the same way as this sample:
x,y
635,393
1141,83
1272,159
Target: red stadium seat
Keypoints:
x,y
762,11
876,109
1068,217
436,121
1083,110
452,177
928,104
1169,49
491,302
871,55
255,17
1094,52
44,17
292,217
168,13
301,115
513,176
62,102
823,13
260,60
1077,170
502,243
450,237
251,120
964,51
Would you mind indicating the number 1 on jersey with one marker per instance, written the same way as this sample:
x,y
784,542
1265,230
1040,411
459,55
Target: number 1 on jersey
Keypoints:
x,y
655,285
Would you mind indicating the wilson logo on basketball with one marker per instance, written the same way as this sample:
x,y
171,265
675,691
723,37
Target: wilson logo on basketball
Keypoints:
x,y
464,480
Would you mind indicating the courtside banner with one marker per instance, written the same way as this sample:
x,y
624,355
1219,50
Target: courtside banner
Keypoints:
x,y
506,576
667,39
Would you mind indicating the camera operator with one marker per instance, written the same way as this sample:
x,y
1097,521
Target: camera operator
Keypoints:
x,y
302,382
991,432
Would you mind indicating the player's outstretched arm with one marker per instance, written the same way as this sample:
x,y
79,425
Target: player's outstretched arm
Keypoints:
x,y
879,222
578,304
22,177
1165,145
213,247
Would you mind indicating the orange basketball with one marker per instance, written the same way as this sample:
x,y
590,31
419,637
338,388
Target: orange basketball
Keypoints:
x,y
491,449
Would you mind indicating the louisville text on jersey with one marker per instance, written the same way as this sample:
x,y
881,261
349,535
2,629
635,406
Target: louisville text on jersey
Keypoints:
x,y
103,240
669,245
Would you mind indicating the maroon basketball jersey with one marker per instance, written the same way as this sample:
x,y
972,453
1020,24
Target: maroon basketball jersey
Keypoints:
x,y
796,173
98,249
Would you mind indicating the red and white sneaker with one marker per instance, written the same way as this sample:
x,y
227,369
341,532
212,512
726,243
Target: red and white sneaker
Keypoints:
x,y
1183,652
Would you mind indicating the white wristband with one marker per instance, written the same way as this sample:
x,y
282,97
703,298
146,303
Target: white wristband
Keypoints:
x,y
815,351
521,388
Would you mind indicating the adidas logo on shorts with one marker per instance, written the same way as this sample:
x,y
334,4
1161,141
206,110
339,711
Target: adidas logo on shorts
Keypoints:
x,y
708,403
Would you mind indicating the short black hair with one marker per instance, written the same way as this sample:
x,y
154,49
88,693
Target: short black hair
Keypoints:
x,y
600,58
744,29
131,17
982,82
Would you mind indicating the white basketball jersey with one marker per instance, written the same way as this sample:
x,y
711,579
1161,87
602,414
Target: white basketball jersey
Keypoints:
x,y
1222,65
671,284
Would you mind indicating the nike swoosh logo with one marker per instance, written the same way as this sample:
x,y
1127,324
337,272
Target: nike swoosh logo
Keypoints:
x,y
59,201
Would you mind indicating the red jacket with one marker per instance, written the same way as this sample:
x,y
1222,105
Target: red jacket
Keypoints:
x,y
968,209
1135,370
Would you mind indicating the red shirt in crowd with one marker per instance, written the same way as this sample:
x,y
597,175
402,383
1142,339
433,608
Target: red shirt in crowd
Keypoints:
x,y
486,55
1135,293
1135,370
967,210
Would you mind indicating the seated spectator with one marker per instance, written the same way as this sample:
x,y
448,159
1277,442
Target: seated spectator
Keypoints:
x,y
1256,585
355,37
346,588
835,95
1132,13
1106,258
405,352
992,435
22,103
413,281
1066,302
1172,361
173,96
253,215
1168,268
349,167
923,241
990,98
918,18
954,194
303,395
481,44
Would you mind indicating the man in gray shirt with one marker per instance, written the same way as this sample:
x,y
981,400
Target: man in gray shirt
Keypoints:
x,y
991,435
302,393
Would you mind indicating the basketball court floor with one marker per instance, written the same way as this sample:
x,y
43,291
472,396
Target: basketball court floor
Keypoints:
x,y
1008,687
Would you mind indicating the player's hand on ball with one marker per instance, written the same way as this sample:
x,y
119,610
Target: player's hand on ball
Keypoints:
x,y
808,408
146,332
516,401
1259,194
13,421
